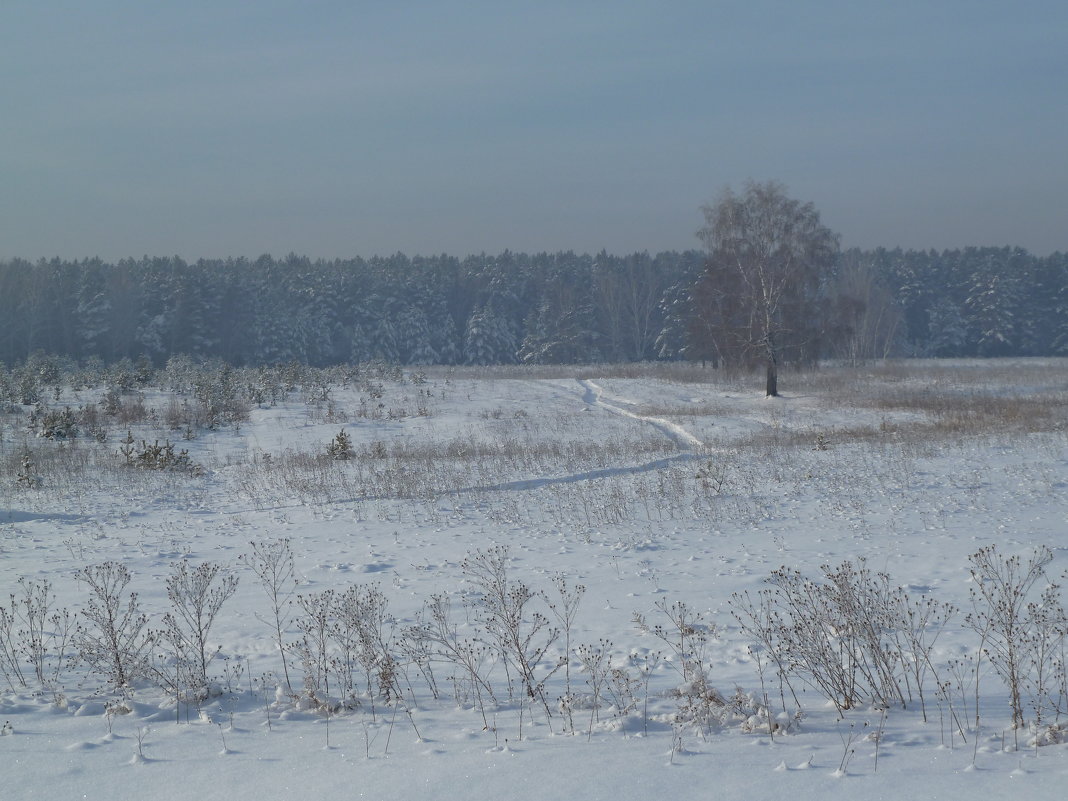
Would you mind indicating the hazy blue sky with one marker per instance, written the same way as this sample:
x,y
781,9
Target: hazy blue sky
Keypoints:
x,y
354,128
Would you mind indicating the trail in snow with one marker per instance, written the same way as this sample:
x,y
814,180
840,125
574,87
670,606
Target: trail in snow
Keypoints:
x,y
18,516
594,395
519,485
588,475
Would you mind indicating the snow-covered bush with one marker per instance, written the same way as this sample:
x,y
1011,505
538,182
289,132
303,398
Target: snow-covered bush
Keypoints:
x,y
1022,632
196,598
54,424
853,635
117,644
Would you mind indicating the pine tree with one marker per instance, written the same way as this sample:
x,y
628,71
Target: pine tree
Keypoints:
x,y
413,337
947,331
488,338
94,313
992,303
381,341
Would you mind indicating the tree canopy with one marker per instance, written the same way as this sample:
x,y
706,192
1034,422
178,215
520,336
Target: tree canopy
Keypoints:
x,y
762,295
512,307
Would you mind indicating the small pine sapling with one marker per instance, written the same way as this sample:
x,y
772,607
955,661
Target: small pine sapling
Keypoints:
x,y
340,447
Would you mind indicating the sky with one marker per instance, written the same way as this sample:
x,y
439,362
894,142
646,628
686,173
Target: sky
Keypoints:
x,y
335,128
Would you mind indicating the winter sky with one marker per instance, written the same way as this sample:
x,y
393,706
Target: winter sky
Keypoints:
x,y
213,128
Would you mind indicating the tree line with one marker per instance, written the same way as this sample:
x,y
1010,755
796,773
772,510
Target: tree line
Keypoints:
x,y
525,308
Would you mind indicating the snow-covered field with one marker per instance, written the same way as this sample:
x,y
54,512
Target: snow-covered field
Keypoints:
x,y
655,490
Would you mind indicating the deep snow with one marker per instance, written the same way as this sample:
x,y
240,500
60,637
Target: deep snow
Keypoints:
x,y
593,478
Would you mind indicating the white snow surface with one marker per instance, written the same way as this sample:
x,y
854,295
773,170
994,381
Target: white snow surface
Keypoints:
x,y
614,503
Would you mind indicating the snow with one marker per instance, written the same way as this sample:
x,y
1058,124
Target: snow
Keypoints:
x,y
590,476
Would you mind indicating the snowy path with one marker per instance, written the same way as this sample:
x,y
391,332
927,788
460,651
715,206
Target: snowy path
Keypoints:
x,y
586,475
594,395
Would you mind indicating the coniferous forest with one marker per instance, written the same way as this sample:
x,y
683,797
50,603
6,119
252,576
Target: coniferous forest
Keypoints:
x,y
507,308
